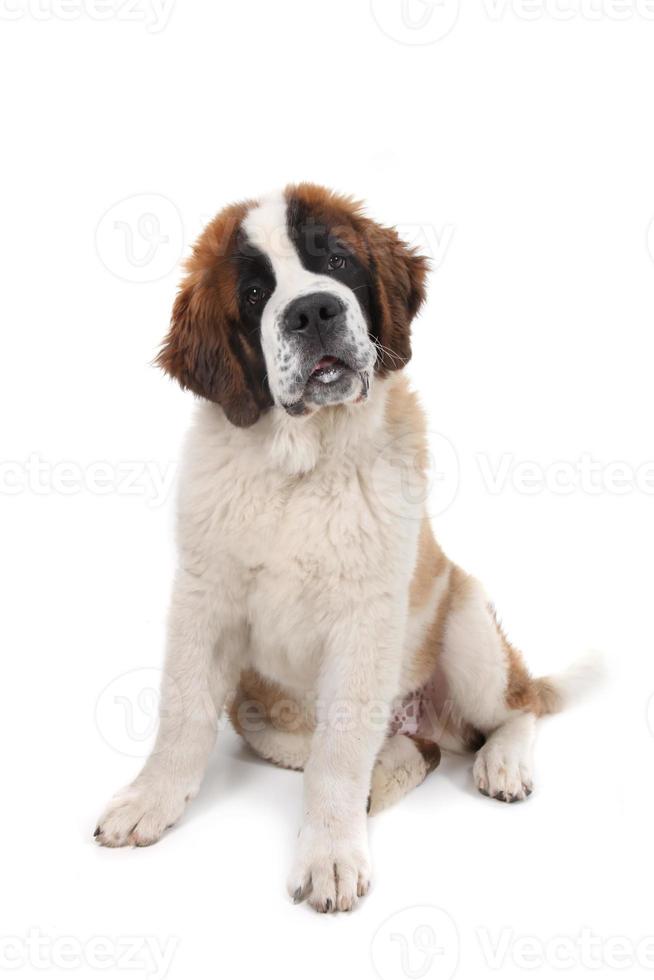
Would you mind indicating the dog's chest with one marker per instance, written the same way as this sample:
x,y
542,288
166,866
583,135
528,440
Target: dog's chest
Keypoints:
x,y
296,559
304,549
314,525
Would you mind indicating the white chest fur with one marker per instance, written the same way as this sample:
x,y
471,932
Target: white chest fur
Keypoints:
x,y
293,521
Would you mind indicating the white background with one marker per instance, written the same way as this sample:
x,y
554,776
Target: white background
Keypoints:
x,y
518,148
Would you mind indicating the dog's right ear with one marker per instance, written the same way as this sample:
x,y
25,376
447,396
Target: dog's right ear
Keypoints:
x,y
399,273
204,349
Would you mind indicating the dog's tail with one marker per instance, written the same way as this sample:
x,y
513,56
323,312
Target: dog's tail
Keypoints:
x,y
556,692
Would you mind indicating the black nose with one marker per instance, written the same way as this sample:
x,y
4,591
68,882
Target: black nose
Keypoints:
x,y
312,312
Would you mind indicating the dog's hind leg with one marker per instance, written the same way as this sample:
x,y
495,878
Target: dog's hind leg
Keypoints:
x,y
492,690
274,724
290,750
403,763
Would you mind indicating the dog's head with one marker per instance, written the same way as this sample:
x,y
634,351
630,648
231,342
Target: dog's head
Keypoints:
x,y
298,301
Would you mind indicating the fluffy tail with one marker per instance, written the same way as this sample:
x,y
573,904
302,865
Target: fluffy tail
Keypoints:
x,y
560,690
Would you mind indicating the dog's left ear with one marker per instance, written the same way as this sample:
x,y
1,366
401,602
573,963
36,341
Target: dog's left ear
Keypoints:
x,y
399,274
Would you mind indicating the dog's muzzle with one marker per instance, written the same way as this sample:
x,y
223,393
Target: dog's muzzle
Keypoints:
x,y
329,363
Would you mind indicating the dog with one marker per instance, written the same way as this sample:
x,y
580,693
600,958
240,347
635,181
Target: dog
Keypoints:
x,y
311,599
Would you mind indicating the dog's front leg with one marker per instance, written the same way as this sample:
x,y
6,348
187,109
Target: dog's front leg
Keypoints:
x,y
357,684
200,668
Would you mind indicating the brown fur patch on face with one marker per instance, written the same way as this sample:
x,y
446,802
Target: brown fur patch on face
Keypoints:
x,y
207,349
397,272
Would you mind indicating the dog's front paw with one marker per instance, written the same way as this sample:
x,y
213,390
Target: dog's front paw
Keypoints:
x,y
139,814
331,870
503,775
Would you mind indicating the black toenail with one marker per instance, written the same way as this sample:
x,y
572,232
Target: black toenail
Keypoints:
x,y
96,832
297,895
328,905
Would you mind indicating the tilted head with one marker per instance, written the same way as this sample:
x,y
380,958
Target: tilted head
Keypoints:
x,y
297,301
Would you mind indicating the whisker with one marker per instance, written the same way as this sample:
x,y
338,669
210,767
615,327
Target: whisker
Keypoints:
x,y
394,356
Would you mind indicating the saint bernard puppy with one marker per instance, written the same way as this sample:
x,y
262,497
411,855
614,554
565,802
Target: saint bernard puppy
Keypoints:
x,y
311,597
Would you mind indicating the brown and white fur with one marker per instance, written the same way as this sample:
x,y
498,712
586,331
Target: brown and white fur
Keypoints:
x,y
311,595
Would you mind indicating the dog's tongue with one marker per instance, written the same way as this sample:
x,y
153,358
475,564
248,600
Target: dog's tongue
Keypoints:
x,y
327,369
324,363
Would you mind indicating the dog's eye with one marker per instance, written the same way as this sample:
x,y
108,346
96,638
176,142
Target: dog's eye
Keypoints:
x,y
254,295
337,262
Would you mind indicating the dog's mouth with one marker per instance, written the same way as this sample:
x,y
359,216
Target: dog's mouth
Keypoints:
x,y
331,380
328,370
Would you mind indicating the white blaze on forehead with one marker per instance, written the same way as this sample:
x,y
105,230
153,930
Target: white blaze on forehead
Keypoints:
x,y
266,228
